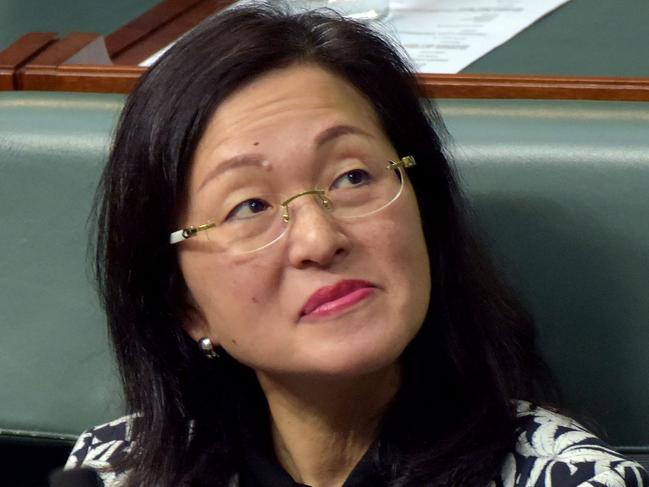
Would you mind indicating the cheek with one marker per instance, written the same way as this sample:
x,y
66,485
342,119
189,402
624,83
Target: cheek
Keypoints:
x,y
417,256
398,238
398,244
229,295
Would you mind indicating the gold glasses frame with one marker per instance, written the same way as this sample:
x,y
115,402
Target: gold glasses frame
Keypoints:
x,y
191,231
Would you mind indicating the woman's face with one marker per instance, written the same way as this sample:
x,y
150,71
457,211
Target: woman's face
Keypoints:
x,y
331,297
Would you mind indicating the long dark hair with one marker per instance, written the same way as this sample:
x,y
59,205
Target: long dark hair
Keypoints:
x,y
453,419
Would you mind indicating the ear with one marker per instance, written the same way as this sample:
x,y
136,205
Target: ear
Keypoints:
x,y
196,326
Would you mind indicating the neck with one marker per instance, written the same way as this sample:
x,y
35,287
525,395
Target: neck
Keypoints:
x,y
321,427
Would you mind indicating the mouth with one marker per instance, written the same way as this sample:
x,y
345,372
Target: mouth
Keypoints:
x,y
332,300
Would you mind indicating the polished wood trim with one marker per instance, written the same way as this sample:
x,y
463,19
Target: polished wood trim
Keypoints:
x,y
167,21
122,79
64,49
19,53
156,36
52,58
80,78
25,48
144,25
534,87
6,79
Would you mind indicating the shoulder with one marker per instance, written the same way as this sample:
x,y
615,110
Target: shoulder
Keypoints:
x,y
102,447
553,450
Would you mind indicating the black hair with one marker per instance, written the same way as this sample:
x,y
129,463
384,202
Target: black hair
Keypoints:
x,y
453,419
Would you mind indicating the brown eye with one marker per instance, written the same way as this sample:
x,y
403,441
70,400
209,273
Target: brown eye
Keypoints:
x,y
355,177
248,209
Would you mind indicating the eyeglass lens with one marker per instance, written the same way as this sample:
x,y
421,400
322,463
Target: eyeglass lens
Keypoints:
x,y
347,192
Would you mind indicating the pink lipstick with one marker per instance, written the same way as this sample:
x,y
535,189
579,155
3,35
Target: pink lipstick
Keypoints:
x,y
331,300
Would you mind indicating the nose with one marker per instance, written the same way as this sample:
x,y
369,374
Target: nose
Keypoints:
x,y
315,238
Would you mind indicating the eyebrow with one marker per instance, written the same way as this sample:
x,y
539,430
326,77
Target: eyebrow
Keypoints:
x,y
242,160
336,131
257,160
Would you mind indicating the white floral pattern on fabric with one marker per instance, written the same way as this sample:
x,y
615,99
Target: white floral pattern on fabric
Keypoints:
x,y
555,451
551,451
100,448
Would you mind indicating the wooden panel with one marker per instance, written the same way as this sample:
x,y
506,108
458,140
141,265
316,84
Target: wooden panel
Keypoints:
x,y
52,57
19,53
534,87
97,79
122,79
146,24
154,38
64,49
167,21
6,79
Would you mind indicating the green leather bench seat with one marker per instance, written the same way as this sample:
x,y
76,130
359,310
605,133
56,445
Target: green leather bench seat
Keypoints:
x,y
56,373
560,191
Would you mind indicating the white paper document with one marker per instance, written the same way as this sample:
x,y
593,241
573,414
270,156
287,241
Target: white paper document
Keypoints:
x,y
445,36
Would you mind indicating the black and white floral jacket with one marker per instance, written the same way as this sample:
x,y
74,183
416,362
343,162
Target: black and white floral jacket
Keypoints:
x,y
551,450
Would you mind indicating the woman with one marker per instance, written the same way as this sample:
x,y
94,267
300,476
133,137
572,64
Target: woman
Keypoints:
x,y
292,291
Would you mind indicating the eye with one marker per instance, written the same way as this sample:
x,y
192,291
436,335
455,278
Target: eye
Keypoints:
x,y
248,209
350,179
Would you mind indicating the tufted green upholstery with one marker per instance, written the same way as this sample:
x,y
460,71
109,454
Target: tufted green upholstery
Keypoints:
x,y
560,189
56,376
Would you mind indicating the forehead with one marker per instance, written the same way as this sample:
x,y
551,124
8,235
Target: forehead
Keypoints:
x,y
289,91
301,100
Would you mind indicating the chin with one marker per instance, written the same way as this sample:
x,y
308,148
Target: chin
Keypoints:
x,y
347,363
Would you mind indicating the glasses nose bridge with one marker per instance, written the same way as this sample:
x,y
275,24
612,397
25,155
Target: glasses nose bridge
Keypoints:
x,y
318,195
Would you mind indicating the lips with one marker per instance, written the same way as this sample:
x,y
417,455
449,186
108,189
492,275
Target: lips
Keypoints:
x,y
337,298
